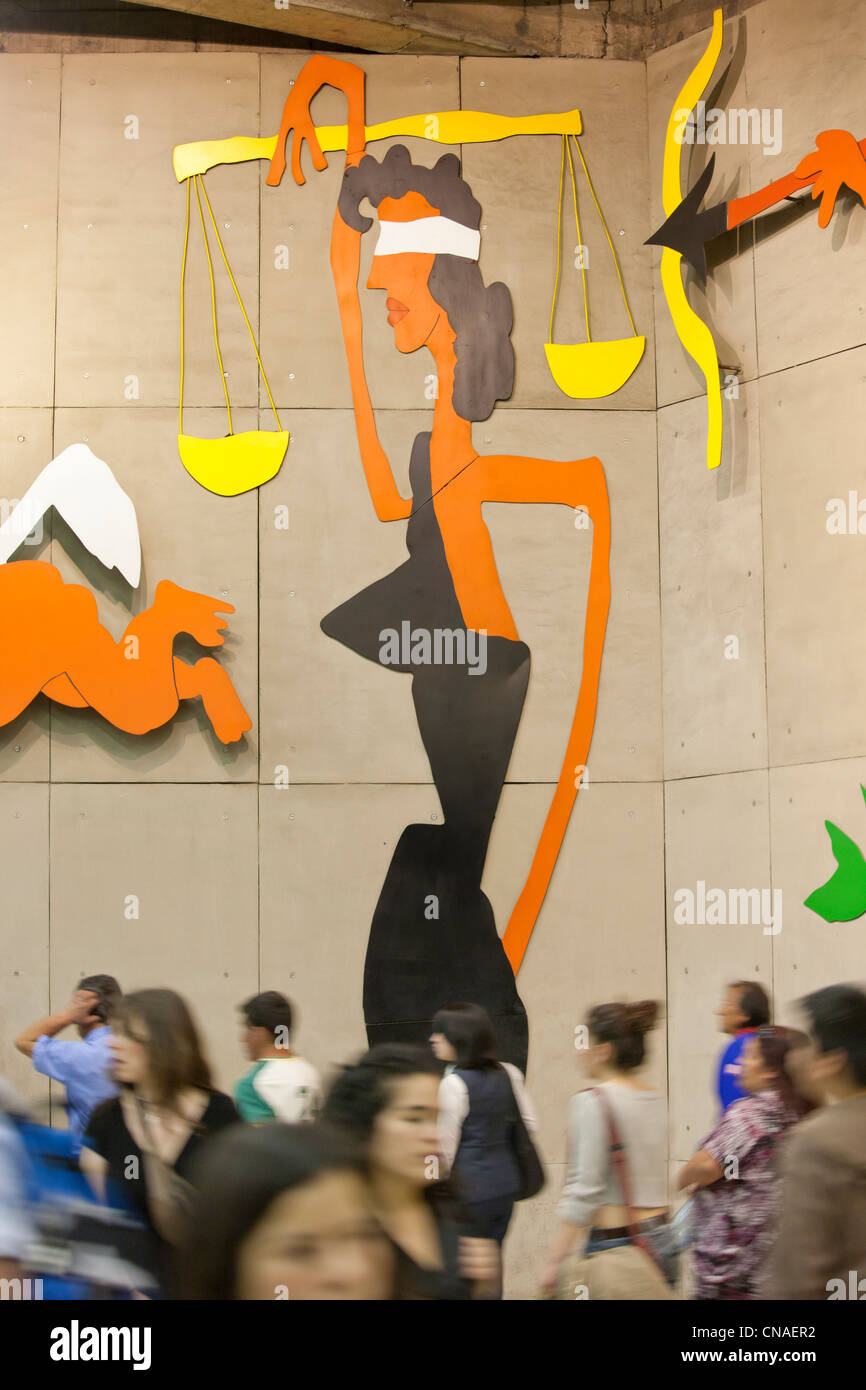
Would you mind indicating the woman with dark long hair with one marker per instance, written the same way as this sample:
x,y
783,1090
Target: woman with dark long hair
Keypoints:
x,y
479,1101
283,1212
442,616
388,1102
735,1173
139,1148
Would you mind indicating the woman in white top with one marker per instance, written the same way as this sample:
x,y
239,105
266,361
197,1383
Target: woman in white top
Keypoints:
x,y
592,1214
479,1100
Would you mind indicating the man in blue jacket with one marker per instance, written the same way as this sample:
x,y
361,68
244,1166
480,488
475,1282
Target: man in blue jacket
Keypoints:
x,y
745,1008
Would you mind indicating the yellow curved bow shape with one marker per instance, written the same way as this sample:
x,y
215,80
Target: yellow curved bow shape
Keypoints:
x,y
691,330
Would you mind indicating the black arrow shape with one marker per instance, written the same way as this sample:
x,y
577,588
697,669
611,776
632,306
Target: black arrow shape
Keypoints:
x,y
687,230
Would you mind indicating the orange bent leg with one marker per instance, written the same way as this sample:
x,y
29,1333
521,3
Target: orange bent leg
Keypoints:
x,y
61,689
211,683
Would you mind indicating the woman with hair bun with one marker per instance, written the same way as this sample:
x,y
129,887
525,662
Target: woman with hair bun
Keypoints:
x,y
595,1213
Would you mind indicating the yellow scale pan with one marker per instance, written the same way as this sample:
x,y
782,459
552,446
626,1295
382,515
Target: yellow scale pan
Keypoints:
x,y
585,371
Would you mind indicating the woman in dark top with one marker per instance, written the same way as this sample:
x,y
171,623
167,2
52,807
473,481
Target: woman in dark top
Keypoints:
x,y
139,1148
389,1100
479,1100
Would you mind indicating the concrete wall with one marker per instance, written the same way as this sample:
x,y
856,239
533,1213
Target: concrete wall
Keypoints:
x,y
692,772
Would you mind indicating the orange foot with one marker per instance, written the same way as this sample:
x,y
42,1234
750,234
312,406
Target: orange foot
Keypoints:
x,y
222,704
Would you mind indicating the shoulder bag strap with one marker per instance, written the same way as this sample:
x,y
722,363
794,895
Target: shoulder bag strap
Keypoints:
x,y
617,1155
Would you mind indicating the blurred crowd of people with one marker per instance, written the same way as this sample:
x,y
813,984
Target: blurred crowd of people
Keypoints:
x,y
399,1180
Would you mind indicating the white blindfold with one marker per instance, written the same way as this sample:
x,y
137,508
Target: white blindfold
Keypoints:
x,y
439,235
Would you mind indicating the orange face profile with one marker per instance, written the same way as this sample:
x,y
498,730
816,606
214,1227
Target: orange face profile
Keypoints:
x,y
412,311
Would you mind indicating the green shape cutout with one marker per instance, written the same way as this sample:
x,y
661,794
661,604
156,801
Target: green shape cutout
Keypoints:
x,y
842,897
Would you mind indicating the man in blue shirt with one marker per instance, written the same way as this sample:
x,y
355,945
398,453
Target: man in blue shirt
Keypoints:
x,y
744,1009
83,1067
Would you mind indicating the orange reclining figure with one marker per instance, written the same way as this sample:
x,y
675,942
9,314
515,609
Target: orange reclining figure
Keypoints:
x,y
50,634
52,641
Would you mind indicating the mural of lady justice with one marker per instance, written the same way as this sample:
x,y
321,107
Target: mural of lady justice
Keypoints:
x,y
446,599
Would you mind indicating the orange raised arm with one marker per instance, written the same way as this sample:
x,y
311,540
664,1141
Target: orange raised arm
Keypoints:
x,y
317,72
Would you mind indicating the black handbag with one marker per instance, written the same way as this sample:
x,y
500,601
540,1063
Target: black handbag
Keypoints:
x,y
529,1165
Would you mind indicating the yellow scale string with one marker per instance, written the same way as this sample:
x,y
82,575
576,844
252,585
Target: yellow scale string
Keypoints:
x,y
607,234
558,235
213,306
182,283
240,301
579,240
566,146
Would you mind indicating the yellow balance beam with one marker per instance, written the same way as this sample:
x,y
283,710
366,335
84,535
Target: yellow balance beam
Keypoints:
x,y
443,127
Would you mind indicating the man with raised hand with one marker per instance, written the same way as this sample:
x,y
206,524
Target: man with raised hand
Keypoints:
x,y
83,1067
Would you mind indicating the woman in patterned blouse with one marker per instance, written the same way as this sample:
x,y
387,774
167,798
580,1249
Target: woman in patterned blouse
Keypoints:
x,y
735,1173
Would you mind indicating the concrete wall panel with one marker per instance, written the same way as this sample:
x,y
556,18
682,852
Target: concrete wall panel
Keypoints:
x,y
712,592
530,1235
188,855
122,222
29,115
813,432
24,973
717,833
600,932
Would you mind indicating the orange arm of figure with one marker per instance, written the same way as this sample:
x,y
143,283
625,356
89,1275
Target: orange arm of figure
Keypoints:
x,y
317,72
345,263
575,484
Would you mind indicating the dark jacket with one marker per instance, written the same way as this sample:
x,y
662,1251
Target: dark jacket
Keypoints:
x,y
822,1231
485,1166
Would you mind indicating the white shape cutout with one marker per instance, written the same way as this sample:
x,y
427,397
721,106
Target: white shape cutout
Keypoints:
x,y
91,501
426,234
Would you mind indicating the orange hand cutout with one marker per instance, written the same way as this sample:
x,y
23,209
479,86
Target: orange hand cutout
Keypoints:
x,y
838,159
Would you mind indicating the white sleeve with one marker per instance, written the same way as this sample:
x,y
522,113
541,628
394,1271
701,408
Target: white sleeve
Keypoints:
x,y
521,1095
588,1160
453,1109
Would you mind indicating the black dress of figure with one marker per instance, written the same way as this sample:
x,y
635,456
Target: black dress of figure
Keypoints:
x,y
433,938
